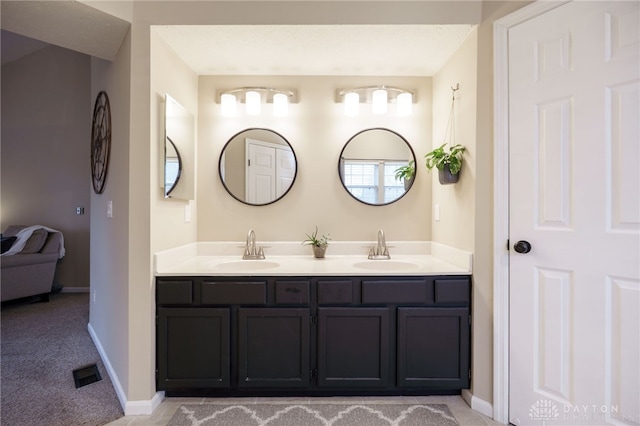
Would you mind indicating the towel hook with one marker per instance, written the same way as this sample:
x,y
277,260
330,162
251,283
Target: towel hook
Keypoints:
x,y
455,89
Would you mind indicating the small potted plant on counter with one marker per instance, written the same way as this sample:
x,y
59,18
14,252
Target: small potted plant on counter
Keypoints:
x,y
406,173
319,245
448,162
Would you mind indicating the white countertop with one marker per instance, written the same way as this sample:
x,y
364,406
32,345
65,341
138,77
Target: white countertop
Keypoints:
x,y
283,258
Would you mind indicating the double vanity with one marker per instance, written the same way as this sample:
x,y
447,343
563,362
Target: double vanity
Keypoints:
x,y
290,324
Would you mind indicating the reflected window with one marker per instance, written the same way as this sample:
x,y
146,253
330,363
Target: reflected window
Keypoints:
x,y
363,180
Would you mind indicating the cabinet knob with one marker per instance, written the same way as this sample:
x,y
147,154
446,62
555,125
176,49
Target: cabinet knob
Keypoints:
x,y
522,247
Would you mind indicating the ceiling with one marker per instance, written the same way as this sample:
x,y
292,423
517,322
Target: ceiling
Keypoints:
x,y
70,24
15,46
392,50
266,49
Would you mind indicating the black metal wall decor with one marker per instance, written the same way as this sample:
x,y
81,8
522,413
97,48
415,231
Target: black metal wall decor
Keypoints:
x,y
100,142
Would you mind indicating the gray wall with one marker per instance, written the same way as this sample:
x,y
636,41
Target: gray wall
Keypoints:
x,y
46,116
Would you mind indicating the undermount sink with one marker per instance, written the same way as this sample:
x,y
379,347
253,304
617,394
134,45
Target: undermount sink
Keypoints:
x,y
245,265
385,265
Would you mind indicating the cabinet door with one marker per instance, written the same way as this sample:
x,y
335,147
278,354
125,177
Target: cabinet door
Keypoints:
x,y
273,347
433,348
193,348
353,348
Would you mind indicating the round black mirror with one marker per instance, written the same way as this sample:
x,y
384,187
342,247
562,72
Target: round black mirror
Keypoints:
x,y
377,166
172,167
257,166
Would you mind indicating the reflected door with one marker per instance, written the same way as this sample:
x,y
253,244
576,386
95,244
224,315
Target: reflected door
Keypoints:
x,y
285,170
261,173
270,171
574,196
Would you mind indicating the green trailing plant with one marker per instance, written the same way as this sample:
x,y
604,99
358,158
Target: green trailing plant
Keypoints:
x,y
440,157
406,172
314,241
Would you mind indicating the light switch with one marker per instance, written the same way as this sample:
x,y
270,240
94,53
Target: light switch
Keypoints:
x,y
110,209
436,212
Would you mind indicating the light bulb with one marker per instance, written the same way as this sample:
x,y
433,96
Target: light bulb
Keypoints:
x,y
379,100
404,104
351,104
253,102
280,105
228,105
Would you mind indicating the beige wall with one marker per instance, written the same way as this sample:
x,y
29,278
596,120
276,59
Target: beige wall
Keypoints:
x,y
457,207
457,225
46,116
317,129
169,75
109,317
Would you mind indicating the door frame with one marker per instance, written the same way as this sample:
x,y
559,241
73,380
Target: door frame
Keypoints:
x,y
501,200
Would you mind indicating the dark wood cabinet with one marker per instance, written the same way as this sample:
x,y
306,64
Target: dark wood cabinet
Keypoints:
x,y
353,347
433,348
273,347
193,348
242,336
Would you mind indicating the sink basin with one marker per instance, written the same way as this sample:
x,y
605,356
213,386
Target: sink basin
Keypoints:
x,y
385,265
245,265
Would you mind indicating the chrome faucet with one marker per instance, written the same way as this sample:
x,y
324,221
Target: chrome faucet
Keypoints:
x,y
251,251
381,251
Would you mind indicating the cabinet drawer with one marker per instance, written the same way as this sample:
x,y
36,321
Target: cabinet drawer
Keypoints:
x,y
292,292
407,291
335,292
174,292
234,293
452,291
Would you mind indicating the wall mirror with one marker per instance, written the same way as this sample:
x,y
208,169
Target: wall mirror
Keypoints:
x,y
172,167
368,164
178,177
257,166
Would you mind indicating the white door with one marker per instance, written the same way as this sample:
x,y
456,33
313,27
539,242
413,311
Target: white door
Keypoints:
x,y
261,173
285,170
574,330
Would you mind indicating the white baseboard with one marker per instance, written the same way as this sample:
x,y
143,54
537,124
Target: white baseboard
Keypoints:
x,y
75,290
130,408
143,408
477,404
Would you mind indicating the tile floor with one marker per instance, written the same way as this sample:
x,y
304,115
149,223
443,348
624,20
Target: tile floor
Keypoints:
x,y
459,408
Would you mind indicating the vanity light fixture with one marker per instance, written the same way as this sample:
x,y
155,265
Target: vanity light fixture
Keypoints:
x,y
379,97
253,98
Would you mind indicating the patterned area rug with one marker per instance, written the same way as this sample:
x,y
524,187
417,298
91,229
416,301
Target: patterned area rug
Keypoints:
x,y
314,415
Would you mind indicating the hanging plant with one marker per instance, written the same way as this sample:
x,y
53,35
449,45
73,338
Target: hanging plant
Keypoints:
x,y
406,174
447,158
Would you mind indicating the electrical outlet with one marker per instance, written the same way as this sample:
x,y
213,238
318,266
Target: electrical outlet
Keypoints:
x,y
109,209
79,210
187,213
94,296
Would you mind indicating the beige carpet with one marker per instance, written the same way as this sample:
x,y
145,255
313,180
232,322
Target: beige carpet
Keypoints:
x,y
313,415
42,343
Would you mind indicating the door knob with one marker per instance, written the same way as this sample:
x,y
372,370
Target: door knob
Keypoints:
x,y
522,247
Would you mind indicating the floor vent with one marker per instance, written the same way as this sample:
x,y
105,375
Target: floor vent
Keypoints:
x,y
86,375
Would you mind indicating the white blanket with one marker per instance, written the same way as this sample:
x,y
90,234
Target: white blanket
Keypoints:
x,y
23,235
